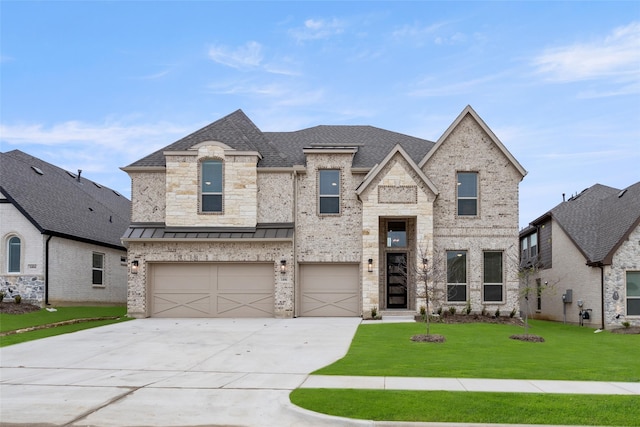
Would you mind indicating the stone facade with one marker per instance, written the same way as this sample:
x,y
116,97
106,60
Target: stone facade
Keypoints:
x,y
626,258
395,189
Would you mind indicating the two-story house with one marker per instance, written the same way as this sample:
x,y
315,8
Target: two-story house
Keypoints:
x,y
231,221
586,253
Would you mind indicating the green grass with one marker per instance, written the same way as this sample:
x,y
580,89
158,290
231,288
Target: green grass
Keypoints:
x,y
472,407
12,322
478,350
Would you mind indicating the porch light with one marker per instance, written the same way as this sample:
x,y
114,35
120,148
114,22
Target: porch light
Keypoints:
x,y
134,266
283,266
370,265
425,261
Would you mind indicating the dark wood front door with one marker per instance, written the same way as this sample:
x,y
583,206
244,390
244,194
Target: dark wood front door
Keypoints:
x,y
397,280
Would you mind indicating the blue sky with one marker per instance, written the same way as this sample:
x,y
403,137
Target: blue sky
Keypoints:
x,y
97,85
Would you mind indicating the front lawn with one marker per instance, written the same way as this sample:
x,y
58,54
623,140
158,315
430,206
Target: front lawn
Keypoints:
x,y
102,315
479,350
472,407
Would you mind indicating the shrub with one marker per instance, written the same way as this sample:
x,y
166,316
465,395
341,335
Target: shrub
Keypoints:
x,y
513,313
484,310
423,310
374,312
17,299
467,309
439,311
452,310
626,324
497,313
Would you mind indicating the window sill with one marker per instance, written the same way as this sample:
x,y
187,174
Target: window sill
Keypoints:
x,y
98,286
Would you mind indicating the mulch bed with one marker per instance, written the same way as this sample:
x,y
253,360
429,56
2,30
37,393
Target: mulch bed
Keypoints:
x,y
629,330
13,308
428,338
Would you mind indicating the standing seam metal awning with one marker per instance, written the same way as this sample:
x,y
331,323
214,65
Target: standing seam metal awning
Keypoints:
x,y
271,231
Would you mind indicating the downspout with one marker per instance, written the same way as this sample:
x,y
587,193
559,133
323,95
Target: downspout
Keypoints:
x,y
46,270
295,257
602,294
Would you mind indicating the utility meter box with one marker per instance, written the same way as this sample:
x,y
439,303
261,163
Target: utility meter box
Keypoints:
x,y
567,296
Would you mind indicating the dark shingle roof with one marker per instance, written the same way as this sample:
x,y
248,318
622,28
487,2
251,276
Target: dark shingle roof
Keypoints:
x,y
284,149
57,203
599,219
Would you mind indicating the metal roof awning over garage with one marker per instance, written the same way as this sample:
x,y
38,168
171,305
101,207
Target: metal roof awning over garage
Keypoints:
x,y
159,231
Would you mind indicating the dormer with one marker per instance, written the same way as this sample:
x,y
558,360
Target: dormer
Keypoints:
x,y
211,185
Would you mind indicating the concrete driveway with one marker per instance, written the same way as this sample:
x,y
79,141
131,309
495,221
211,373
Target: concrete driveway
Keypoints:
x,y
171,372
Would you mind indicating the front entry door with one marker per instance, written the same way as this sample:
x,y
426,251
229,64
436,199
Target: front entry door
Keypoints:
x,y
397,280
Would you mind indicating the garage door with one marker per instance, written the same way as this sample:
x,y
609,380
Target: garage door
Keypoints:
x,y
212,290
329,290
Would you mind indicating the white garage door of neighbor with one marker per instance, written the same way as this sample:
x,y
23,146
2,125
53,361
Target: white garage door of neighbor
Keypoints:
x,y
212,290
329,290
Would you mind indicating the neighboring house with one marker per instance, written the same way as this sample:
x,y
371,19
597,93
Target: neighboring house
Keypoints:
x,y
231,221
60,234
587,252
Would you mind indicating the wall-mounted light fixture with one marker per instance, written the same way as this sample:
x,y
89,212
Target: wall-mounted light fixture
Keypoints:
x,y
134,266
283,266
425,262
370,265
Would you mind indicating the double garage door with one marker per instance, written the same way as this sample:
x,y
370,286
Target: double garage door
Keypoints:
x,y
247,290
212,290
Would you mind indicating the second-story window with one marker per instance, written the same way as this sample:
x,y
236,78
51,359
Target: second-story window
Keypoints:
x,y
467,183
211,186
329,194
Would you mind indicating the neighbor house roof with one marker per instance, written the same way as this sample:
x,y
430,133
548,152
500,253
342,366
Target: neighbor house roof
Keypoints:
x,y
598,220
285,149
62,203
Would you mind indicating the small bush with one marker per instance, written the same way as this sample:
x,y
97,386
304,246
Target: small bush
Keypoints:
x,y
513,313
497,313
374,312
17,299
626,324
452,310
484,310
439,311
423,310
467,309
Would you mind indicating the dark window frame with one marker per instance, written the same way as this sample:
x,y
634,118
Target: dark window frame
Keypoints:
x,y
211,199
329,201
456,270
97,271
465,194
487,283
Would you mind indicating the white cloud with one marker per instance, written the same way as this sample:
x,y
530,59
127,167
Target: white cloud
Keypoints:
x,y
118,138
317,29
243,57
615,58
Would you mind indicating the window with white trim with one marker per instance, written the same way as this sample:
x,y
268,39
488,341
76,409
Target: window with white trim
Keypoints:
x,y
14,250
97,270
456,276
493,279
211,186
467,193
329,192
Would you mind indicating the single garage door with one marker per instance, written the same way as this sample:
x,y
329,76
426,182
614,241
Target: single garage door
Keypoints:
x,y
212,290
329,290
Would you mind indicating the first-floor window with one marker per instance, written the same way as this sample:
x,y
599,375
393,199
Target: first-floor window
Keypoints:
x,y
493,277
456,276
13,251
98,269
633,293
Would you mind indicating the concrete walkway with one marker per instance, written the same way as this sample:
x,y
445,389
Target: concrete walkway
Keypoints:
x,y
472,384
205,372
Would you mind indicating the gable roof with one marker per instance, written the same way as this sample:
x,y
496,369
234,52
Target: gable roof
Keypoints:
x,y
598,220
378,168
285,149
471,112
60,203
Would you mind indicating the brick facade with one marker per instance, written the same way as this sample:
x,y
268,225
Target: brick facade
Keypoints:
x,y
396,188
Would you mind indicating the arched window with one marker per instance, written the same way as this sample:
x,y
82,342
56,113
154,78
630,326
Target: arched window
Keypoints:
x,y
13,254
